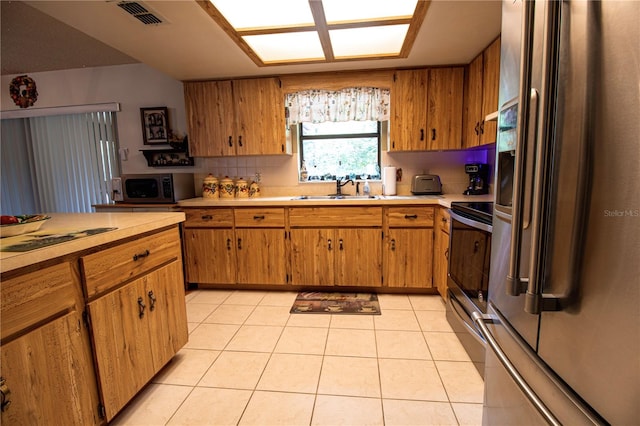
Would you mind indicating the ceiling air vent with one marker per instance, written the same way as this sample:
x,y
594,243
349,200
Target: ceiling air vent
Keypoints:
x,y
140,12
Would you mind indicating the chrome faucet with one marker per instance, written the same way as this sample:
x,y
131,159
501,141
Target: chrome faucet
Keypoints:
x,y
340,185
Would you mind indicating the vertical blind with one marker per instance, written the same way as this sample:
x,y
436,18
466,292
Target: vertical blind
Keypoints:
x,y
58,163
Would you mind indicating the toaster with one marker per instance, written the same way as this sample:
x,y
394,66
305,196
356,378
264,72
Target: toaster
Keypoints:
x,y
426,184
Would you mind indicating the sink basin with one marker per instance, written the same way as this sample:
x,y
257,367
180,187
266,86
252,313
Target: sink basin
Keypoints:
x,y
336,197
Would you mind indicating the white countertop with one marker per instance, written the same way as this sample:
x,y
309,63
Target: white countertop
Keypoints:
x,y
294,201
127,224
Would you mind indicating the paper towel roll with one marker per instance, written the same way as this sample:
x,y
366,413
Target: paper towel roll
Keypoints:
x,y
389,181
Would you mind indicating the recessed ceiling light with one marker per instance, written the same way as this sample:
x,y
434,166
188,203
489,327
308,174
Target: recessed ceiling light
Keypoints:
x,y
302,31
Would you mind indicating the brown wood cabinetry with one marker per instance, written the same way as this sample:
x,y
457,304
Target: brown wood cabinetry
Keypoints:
x,y
408,247
482,83
236,117
47,369
336,246
426,109
441,250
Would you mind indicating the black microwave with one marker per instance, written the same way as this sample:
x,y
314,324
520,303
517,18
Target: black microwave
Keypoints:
x,y
154,188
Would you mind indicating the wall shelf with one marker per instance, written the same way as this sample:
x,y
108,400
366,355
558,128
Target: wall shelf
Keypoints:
x,y
167,158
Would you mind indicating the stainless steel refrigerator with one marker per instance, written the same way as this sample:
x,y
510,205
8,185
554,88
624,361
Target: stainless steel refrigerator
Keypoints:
x,y
563,324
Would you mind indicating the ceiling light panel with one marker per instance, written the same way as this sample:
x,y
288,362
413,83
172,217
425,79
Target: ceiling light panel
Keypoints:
x,y
338,11
286,47
256,14
368,41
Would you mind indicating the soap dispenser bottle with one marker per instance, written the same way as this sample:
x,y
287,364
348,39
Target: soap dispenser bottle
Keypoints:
x,y
366,190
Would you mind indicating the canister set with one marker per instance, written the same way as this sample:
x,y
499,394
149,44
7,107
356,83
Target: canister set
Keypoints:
x,y
212,187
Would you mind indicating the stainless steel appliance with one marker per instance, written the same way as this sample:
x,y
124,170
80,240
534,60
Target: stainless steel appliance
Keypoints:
x,y
426,184
478,179
563,321
155,188
468,273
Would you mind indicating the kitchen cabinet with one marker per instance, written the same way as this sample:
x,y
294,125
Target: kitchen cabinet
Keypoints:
x,y
482,83
261,246
408,247
236,117
441,250
137,313
426,109
209,245
47,369
336,246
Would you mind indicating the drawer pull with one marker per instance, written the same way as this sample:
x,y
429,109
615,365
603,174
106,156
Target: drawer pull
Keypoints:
x,y
141,306
206,217
4,395
140,255
152,298
261,217
410,216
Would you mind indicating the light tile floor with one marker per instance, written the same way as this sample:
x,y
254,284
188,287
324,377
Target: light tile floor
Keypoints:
x,y
250,362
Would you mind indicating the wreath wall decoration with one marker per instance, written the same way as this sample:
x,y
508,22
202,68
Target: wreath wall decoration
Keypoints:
x,y
23,91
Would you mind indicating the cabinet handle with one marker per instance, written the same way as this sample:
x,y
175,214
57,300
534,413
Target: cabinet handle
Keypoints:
x,y
230,140
446,253
328,244
433,134
482,127
141,306
152,297
206,217
140,255
239,243
340,243
228,243
261,217
477,128
393,245
410,216
421,134
240,140
476,246
4,395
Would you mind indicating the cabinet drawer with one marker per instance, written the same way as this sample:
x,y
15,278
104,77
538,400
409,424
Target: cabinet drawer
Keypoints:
x,y
443,219
259,218
110,267
407,217
335,216
30,299
208,218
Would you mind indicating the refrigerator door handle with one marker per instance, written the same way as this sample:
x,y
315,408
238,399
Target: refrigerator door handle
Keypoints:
x,y
480,320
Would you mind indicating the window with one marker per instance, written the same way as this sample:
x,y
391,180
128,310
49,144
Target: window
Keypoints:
x,y
60,163
331,150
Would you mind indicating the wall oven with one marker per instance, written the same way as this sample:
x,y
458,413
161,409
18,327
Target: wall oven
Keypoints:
x,y
468,273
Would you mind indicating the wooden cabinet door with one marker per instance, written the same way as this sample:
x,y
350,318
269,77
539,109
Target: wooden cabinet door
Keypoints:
x,y
122,347
210,256
409,111
444,115
409,258
259,115
312,256
166,313
491,86
261,256
49,374
441,251
473,103
210,120
358,257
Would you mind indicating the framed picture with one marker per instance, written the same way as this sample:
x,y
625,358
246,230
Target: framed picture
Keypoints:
x,y
155,128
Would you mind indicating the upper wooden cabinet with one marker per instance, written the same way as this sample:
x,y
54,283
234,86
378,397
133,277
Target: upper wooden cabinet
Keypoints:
x,y
426,109
236,117
481,96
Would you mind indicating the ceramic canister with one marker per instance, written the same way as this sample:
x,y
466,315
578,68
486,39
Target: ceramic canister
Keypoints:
x,y
210,187
242,188
254,189
227,188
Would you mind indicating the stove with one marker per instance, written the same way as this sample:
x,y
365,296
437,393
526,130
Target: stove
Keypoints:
x,y
480,211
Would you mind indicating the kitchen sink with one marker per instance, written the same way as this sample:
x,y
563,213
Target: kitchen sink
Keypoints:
x,y
336,197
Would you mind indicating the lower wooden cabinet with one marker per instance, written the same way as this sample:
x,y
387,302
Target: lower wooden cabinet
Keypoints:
x,y
211,256
261,256
137,329
441,251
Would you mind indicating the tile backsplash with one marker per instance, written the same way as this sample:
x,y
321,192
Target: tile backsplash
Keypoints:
x,y
279,174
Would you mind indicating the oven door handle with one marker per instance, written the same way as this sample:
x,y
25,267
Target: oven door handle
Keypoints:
x,y
469,222
455,308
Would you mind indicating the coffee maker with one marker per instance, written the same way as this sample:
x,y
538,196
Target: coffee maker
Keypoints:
x,y
478,179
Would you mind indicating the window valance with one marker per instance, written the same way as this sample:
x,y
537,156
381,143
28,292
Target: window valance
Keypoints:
x,y
352,104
